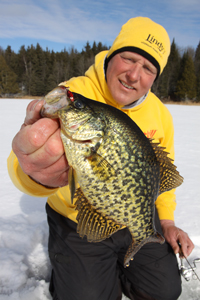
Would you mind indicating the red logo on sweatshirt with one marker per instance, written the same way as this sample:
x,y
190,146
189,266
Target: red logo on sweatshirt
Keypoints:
x,y
150,133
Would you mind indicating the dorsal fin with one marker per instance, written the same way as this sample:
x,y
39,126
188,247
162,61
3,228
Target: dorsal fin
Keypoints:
x,y
169,176
96,226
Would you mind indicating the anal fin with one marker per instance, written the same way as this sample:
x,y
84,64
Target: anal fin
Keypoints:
x,y
96,226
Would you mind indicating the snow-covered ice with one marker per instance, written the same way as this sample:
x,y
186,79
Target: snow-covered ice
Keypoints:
x,y
24,263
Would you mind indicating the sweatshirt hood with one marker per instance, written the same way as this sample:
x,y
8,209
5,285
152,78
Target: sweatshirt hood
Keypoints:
x,y
145,37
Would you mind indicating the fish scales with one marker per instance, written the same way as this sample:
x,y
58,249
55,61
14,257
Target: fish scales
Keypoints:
x,y
120,171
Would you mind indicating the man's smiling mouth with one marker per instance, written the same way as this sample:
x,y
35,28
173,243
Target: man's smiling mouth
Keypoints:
x,y
126,85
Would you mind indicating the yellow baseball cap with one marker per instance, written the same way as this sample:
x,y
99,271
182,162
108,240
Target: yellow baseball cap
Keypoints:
x,y
145,37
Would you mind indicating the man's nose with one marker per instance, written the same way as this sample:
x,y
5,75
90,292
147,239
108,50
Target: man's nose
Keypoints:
x,y
134,73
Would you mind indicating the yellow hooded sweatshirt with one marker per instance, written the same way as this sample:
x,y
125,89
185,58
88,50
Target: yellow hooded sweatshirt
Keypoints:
x,y
149,113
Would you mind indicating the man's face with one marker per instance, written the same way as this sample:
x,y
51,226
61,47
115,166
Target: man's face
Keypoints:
x,y
129,77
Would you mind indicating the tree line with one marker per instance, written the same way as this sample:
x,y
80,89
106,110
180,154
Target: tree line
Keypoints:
x,y
34,71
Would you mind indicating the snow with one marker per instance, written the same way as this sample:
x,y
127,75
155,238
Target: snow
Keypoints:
x,y
25,268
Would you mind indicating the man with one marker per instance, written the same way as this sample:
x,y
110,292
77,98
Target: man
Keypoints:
x,y
121,77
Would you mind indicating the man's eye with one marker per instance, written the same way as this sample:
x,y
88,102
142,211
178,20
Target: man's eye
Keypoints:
x,y
149,70
128,59
124,57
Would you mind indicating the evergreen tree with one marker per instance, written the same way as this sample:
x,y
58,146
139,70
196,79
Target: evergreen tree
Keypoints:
x,y
23,70
94,48
197,70
12,61
30,72
11,58
186,85
101,47
8,83
39,71
1,51
20,70
88,50
174,67
165,86
160,86
51,76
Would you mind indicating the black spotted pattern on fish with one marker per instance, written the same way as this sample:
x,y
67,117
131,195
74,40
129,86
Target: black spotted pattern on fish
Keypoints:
x,y
120,172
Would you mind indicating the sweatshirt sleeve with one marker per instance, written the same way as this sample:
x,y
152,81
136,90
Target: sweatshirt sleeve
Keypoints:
x,y
23,182
166,202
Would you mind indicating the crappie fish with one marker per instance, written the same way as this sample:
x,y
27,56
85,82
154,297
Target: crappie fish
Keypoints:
x,y
120,172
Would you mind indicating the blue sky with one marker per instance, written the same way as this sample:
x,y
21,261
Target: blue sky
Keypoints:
x,y
59,24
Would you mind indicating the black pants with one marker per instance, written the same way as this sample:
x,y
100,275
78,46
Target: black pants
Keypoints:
x,y
94,271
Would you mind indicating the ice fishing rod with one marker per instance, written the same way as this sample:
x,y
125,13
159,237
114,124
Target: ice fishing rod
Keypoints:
x,y
187,272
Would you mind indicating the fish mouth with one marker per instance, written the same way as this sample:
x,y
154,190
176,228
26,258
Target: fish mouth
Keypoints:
x,y
49,109
90,145
73,135
126,85
93,140
74,127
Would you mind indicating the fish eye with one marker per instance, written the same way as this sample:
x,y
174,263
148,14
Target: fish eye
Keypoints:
x,y
78,104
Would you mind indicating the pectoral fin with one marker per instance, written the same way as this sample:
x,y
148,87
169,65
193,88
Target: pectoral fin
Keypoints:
x,y
96,226
72,183
101,167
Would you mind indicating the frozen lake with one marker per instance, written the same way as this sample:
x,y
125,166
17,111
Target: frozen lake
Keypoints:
x,y
25,268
